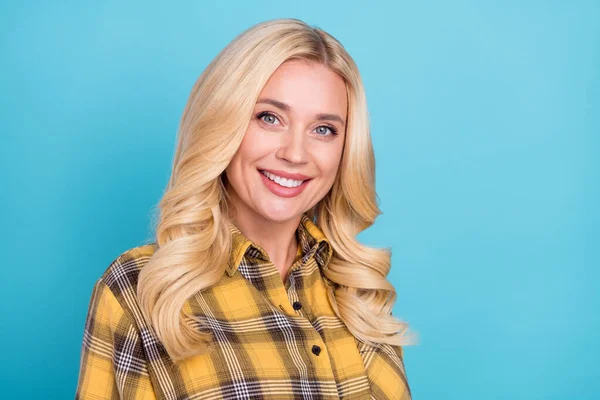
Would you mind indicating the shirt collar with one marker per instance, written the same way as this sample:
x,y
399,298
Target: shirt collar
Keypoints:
x,y
311,238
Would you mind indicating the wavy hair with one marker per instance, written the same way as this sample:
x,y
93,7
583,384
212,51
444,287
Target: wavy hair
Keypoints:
x,y
192,234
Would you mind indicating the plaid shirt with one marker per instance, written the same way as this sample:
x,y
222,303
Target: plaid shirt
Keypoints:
x,y
274,340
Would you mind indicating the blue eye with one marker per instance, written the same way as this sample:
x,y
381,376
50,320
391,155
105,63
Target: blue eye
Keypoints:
x,y
267,117
323,130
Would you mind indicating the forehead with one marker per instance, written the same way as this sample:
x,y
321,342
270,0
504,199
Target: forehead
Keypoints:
x,y
308,88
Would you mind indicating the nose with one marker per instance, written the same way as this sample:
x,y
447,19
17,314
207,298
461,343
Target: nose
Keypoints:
x,y
293,147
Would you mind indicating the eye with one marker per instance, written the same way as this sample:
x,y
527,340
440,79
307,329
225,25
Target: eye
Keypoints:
x,y
267,117
325,130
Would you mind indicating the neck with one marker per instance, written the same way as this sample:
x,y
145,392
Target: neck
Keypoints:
x,y
278,239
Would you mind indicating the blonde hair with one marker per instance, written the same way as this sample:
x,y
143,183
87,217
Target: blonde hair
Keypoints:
x,y
192,231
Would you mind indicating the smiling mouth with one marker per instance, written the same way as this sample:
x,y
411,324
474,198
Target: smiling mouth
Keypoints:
x,y
288,183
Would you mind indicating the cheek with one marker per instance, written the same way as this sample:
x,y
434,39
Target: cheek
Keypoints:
x,y
329,163
237,166
255,145
247,153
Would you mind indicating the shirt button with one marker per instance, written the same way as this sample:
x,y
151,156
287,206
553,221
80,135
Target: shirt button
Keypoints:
x,y
316,350
297,305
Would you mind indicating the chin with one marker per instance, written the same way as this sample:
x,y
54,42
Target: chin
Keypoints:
x,y
280,213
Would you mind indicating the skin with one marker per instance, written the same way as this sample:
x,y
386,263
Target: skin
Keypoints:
x,y
296,139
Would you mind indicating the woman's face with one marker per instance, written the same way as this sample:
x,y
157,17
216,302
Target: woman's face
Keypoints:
x,y
290,154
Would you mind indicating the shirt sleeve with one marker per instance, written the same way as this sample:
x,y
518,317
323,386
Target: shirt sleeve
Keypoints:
x,y
111,363
397,354
388,380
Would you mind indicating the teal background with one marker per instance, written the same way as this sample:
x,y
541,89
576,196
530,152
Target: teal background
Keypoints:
x,y
486,124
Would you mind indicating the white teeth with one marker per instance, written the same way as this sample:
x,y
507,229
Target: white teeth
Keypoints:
x,y
290,183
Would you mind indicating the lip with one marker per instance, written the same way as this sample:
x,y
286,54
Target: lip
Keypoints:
x,y
282,191
287,175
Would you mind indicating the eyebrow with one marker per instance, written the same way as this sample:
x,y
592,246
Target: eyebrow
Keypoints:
x,y
286,108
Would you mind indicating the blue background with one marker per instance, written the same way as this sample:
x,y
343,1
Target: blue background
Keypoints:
x,y
486,124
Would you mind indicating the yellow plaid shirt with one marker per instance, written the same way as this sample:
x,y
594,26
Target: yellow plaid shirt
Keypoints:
x,y
274,340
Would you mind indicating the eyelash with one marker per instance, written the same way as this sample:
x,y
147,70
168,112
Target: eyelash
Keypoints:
x,y
262,114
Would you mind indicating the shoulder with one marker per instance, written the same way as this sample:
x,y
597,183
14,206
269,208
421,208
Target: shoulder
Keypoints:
x,y
133,257
119,281
123,271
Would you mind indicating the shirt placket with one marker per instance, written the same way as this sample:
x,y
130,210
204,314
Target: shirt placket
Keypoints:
x,y
291,302
296,287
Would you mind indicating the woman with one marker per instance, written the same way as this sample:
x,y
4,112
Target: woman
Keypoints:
x,y
256,286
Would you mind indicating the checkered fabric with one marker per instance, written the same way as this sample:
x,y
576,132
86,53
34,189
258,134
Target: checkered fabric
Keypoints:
x,y
274,339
